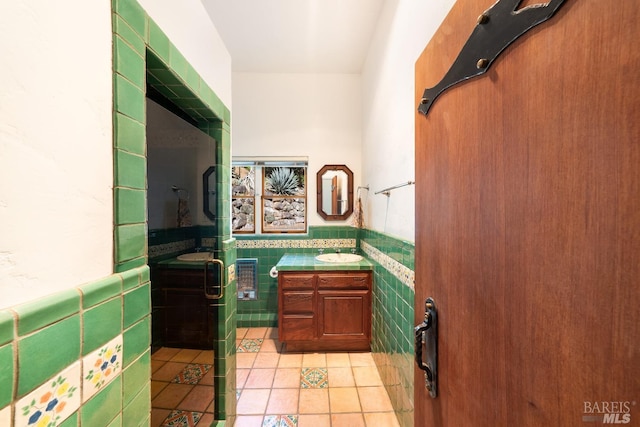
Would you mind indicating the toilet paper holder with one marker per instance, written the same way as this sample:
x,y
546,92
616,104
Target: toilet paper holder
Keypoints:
x,y
273,272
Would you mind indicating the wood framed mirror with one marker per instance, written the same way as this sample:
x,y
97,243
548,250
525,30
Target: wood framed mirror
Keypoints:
x,y
335,192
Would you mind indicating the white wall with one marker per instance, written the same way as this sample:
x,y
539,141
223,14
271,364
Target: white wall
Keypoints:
x,y
56,225
314,115
403,31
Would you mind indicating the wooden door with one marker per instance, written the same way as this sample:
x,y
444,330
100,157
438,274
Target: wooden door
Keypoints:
x,y
528,223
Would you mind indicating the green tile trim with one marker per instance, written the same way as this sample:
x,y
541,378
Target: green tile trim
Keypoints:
x,y
131,264
38,360
6,326
129,99
136,378
136,340
130,170
101,324
131,278
159,42
130,135
45,311
104,406
72,421
137,412
130,242
133,14
129,35
130,205
137,305
101,290
128,63
6,374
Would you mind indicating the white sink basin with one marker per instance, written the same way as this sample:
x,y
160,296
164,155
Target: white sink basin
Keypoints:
x,y
195,256
339,258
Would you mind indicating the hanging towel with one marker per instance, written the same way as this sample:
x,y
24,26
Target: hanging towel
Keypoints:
x,y
184,216
358,215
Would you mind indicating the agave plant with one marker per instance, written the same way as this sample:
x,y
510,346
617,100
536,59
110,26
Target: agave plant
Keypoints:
x,y
282,181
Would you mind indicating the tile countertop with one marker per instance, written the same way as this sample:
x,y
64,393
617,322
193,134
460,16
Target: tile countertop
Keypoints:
x,y
306,262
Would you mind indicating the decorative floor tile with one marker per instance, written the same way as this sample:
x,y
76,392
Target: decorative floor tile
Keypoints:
x,y
52,402
314,378
191,374
250,345
101,366
280,421
179,418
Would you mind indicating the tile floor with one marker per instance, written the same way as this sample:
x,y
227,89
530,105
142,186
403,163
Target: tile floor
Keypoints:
x,y
181,387
278,389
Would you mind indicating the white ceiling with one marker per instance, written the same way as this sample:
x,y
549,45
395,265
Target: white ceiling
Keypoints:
x,y
295,36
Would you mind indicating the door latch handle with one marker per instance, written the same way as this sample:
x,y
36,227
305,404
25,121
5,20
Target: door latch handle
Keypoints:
x,y
426,335
206,280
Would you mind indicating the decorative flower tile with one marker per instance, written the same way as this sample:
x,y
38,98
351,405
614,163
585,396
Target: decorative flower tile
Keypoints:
x,y
250,345
191,374
304,243
101,366
181,418
280,421
51,403
402,273
314,378
231,273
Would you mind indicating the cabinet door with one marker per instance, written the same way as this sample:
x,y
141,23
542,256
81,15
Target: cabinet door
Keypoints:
x,y
344,315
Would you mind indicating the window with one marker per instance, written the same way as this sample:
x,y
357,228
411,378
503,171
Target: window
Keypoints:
x,y
282,205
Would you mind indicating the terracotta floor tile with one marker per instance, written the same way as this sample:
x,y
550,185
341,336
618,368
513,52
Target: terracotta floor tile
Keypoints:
x,y
290,361
241,332
260,378
198,399
241,377
171,396
367,376
270,345
338,360
286,378
341,377
248,421
253,402
208,378
158,415
245,360
266,360
156,387
165,353
314,401
168,371
314,360
283,401
384,419
206,420
211,408
314,421
272,333
156,364
361,359
374,399
256,333
347,420
185,355
344,399
205,357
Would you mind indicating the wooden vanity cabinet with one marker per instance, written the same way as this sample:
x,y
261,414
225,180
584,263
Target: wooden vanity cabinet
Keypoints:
x,y
185,316
324,310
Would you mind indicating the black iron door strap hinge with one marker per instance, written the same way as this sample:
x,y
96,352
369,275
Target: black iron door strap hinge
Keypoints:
x,y
497,28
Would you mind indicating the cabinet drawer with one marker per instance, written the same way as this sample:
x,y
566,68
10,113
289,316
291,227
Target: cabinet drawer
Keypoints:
x,y
344,281
297,328
297,302
297,281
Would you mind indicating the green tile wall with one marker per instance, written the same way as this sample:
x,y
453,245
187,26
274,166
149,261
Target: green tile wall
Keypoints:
x,y
44,337
392,323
